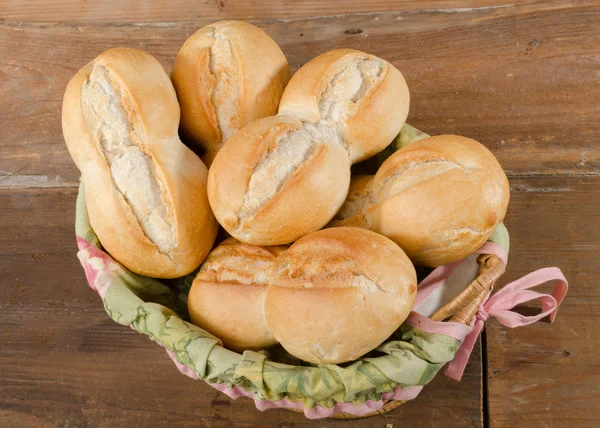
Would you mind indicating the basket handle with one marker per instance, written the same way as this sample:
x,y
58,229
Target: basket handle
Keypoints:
x,y
499,306
464,307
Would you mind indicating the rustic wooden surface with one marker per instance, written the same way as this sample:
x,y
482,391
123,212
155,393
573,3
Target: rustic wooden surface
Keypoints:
x,y
549,374
523,79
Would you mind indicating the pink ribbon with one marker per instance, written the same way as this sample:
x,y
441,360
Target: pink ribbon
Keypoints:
x,y
499,305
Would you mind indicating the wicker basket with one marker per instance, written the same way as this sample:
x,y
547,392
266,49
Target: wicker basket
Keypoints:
x,y
158,310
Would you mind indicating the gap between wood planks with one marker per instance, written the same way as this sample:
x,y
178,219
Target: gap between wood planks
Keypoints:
x,y
525,8
280,12
485,400
38,182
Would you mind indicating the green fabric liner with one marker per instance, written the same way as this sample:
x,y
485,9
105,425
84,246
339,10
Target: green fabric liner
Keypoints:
x,y
411,357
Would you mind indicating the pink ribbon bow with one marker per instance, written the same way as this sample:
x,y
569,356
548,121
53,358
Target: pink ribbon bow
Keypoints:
x,y
499,305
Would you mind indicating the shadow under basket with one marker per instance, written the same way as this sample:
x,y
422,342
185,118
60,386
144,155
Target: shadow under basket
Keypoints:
x,y
453,302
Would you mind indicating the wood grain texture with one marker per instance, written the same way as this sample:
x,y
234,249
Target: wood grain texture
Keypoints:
x,y
188,10
65,363
523,80
549,374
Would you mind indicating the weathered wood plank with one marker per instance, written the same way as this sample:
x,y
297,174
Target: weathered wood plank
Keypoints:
x,y
549,374
185,10
524,82
65,363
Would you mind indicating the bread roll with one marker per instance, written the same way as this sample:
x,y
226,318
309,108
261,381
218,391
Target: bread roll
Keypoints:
x,y
338,293
227,75
364,97
145,190
278,179
228,294
439,199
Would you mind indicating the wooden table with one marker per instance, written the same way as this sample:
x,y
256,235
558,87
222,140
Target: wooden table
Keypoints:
x,y
522,79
